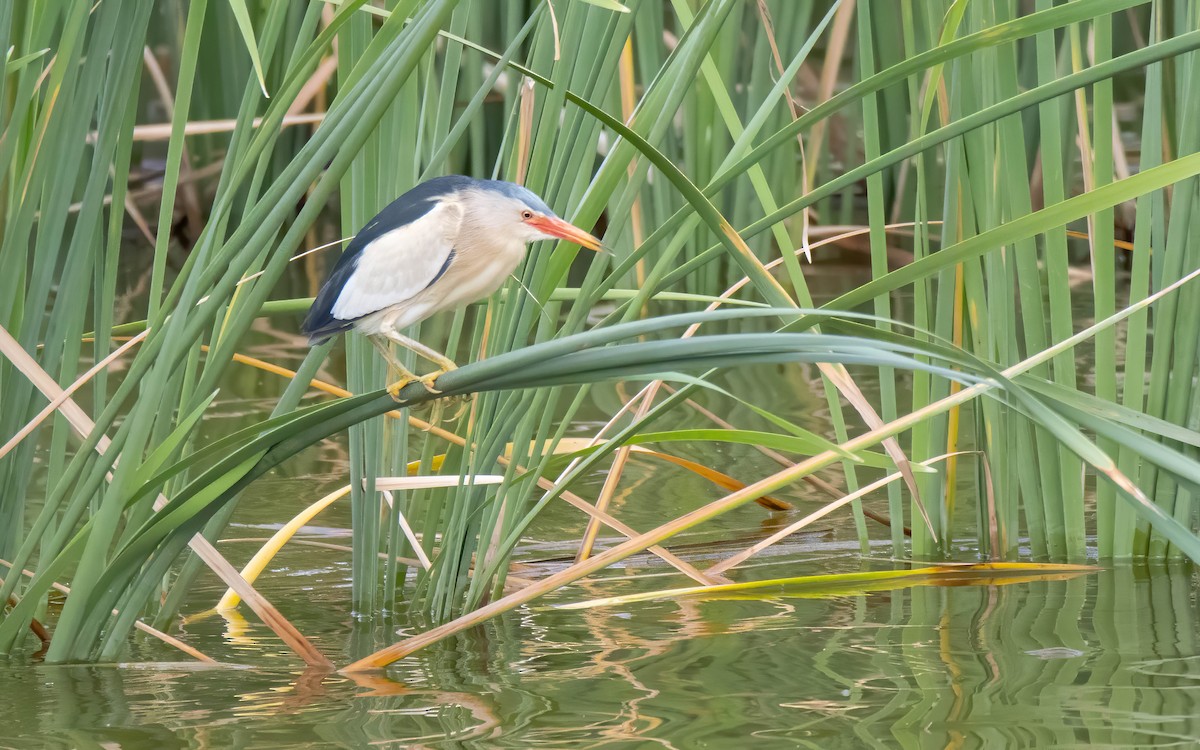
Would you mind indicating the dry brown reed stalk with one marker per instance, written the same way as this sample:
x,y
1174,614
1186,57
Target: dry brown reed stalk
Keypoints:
x,y
824,510
839,34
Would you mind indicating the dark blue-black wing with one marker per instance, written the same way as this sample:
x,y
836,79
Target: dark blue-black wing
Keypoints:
x,y
328,317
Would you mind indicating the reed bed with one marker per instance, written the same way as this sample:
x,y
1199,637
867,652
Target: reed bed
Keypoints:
x,y
985,162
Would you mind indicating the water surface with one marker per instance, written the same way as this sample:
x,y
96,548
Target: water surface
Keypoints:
x,y
1108,660
1102,660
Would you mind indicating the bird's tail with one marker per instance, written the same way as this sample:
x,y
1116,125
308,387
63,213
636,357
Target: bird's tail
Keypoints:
x,y
320,329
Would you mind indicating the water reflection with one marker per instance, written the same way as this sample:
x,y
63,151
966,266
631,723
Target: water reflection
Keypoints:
x,y
1107,660
1047,664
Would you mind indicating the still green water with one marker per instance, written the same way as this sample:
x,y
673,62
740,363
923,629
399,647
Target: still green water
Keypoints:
x,y
1104,660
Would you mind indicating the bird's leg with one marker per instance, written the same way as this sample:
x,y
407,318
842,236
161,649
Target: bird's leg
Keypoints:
x,y
396,368
441,360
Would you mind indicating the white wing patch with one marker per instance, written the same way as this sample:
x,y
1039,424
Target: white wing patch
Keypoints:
x,y
396,266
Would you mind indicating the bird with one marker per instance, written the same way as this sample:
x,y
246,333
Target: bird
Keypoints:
x,y
445,243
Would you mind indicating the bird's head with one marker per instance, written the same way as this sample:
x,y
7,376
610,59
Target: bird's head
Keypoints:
x,y
516,211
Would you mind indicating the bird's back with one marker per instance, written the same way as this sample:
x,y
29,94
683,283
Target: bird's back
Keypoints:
x,y
320,323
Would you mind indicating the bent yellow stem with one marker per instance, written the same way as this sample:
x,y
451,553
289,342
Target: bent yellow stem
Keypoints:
x,y
267,552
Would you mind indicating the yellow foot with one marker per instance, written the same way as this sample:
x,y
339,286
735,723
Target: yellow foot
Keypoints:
x,y
395,388
430,379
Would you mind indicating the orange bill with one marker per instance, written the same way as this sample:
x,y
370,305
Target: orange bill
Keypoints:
x,y
564,231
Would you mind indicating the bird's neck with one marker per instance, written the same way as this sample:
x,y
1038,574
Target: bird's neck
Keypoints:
x,y
484,241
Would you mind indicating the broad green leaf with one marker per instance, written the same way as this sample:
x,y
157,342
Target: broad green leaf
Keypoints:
x,y
808,444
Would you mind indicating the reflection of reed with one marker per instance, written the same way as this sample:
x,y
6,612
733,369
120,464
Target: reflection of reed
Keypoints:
x,y
1109,660
1016,666
616,643
1050,663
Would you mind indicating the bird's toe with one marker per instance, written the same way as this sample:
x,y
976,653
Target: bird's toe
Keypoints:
x,y
429,380
395,388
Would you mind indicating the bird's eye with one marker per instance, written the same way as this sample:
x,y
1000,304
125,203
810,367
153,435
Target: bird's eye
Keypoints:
x,y
526,215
